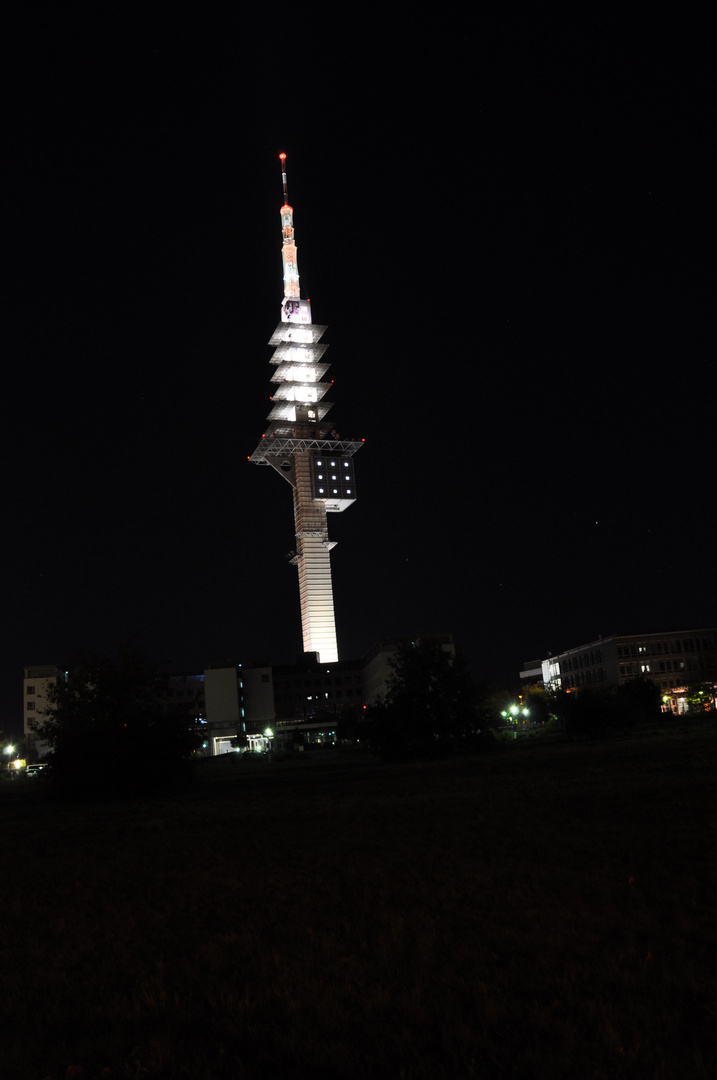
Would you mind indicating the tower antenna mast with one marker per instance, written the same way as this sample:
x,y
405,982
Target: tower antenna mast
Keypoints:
x,y
293,307
282,159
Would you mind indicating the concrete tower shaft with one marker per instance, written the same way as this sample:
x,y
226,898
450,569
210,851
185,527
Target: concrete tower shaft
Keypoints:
x,y
313,562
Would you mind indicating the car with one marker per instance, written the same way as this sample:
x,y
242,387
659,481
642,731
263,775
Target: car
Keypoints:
x,y
35,770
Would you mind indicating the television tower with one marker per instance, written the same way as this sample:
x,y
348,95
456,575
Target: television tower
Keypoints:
x,y
303,448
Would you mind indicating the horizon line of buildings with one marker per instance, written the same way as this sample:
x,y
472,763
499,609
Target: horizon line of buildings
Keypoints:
x,y
231,700
673,660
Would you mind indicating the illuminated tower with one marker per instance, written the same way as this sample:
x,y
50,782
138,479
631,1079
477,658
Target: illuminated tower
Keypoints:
x,y
303,448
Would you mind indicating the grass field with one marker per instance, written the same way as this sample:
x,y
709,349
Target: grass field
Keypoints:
x,y
547,911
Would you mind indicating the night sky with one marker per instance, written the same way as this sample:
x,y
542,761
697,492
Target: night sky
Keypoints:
x,y
502,224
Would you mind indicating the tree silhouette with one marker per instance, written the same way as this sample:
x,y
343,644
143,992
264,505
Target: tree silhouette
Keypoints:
x,y
432,705
110,728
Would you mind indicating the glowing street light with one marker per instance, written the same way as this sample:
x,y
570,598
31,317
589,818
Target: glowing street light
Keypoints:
x,y
514,712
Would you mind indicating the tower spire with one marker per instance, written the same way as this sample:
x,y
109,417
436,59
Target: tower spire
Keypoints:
x,y
293,308
302,447
282,159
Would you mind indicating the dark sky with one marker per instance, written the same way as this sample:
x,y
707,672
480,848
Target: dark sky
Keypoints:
x,y
502,224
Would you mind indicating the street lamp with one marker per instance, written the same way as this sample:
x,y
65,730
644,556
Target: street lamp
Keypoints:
x,y
513,713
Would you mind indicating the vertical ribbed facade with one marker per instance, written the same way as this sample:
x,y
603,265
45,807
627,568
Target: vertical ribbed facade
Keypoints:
x,y
314,565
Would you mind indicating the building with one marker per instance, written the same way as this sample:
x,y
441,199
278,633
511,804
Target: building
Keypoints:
x,y
36,682
212,704
228,702
235,706
239,707
674,660
531,673
311,698
303,448
308,688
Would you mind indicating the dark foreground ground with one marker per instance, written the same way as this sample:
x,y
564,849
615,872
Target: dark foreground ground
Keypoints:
x,y
547,911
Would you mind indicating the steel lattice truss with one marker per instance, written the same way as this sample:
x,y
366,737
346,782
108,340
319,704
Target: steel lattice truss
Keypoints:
x,y
280,447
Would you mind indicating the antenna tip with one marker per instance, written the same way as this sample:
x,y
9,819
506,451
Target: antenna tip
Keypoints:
x,y
282,157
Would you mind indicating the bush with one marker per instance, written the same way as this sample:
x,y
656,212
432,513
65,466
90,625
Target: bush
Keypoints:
x,y
598,712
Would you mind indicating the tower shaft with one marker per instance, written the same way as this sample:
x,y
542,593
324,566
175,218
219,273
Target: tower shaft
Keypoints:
x,y
313,562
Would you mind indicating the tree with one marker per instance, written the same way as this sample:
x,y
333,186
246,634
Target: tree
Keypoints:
x,y
351,724
702,689
432,706
110,727
600,711
638,701
537,703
